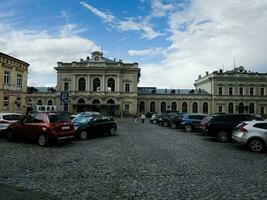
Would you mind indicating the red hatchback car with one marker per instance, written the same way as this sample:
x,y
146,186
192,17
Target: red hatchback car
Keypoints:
x,y
43,127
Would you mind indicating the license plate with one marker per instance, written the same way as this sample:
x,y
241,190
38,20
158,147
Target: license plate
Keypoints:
x,y
65,127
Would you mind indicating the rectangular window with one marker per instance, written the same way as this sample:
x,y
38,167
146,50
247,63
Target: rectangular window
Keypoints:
x,y
19,80
251,91
6,102
18,103
66,86
262,91
241,91
220,109
220,90
126,107
230,91
7,77
262,110
127,87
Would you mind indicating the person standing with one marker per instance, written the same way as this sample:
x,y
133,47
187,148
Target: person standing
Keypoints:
x,y
136,118
143,118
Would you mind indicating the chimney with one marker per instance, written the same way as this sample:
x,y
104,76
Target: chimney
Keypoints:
x,y
87,58
207,73
221,71
81,60
199,76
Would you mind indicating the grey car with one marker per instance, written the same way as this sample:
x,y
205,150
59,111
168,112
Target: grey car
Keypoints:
x,y
253,134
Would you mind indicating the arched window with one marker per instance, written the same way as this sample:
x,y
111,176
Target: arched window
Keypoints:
x,y
111,84
195,107
50,102
174,106
96,84
96,101
39,102
251,108
110,101
231,108
205,108
81,101
163,106
152,106
142,107
82,84
241,108
184,107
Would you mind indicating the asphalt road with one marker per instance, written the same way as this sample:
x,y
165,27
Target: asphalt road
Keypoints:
x,y
144,161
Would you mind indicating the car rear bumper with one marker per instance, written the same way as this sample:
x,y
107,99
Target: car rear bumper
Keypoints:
x,y
65,137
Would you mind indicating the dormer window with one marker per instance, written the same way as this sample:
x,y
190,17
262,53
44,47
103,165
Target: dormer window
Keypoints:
x,y
96,58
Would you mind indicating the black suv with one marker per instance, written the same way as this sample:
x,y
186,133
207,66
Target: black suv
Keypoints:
x,y
89,125
175,121
222,126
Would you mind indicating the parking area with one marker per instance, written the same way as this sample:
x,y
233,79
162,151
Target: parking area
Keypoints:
x,y
144,161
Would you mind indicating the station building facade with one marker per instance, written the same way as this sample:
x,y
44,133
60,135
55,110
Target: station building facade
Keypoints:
x,y
13,84
109,86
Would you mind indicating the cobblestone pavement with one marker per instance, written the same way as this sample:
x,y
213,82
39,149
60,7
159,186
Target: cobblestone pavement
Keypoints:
x,y
144,161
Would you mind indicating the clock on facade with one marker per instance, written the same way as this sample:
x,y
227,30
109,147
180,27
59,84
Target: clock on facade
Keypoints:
x,y
96,58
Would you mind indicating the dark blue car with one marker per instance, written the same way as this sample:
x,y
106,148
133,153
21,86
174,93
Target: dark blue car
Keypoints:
x,y
192,122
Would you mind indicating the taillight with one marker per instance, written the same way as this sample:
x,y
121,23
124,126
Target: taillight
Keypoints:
x,y
241,127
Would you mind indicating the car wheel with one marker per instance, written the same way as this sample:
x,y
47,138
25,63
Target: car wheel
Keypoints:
x,y
10,136
112,131
188,128
165,124
256,145
83,135
42,140
222,136
173,126
154,121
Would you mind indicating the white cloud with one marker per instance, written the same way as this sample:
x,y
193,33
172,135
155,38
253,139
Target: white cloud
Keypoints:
x,y
131,25
125,25
210,35
106,17
43,50
159,9
146,52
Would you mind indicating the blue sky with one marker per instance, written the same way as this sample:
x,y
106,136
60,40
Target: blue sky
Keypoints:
x,y
172,40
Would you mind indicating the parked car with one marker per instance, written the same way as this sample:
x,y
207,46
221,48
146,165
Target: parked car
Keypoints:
x,y
222,126
6,119
154,118
87,113
88,125
253,134
175,121
43,127
191,122
163,118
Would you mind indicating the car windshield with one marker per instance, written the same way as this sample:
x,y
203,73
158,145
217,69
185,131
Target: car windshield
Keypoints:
x,y
83,119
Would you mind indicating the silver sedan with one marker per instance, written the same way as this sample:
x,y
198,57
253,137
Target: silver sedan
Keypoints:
x,y
253,134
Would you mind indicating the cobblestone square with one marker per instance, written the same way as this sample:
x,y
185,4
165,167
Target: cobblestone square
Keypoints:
x,y
144,161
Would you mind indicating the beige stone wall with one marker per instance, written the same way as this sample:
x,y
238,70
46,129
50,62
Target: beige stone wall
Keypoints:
x,y
16,94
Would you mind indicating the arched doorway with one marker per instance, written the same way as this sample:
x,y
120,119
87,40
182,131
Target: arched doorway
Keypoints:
x,y
205,108
163,107
142,107
241,108
173,106
230,108
81,105
251,108
184,107
195,107
96,105
111,107
152,106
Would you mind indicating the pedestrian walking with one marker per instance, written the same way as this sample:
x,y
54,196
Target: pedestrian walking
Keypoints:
x,y
143,118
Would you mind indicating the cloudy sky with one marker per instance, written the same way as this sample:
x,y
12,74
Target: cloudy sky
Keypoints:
x,y
172,40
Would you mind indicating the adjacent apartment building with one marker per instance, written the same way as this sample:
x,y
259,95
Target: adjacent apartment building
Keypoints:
x,y
13,84
109,86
